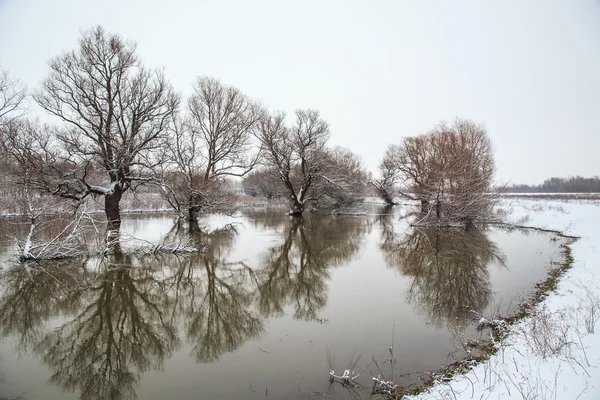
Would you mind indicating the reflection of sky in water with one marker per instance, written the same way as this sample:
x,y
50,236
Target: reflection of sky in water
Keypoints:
x,y
264,302
139,230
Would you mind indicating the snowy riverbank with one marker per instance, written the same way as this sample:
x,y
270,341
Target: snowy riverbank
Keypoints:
x,y
555,352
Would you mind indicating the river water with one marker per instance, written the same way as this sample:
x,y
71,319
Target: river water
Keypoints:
x,y
270,306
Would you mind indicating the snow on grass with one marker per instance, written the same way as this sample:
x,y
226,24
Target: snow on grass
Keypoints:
x,y
555,352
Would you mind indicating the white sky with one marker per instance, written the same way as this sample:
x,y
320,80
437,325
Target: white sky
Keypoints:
x,y
377,70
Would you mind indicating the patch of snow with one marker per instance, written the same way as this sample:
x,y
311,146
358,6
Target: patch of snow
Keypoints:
x,y
555,353
373,200
347,376
28,244
106,191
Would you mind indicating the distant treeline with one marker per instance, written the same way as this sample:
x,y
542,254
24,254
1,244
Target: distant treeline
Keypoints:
x,y
573,184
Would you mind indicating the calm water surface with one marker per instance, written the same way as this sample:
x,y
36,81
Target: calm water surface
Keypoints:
x,y
256,314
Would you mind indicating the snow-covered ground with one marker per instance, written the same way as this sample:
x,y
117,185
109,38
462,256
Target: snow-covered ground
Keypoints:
x,y
555,353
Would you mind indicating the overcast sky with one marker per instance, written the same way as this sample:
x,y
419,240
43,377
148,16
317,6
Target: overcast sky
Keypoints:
x,y
377,70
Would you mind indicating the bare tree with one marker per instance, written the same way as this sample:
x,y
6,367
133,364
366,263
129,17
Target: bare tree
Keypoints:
x,y
296,153
389,177
410,164
35,170
213,141
114,112
343,179
449,170
467,177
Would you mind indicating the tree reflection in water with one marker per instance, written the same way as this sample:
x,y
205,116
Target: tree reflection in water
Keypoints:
x,y
449,270
31,295
218,314
120,318
120,332
295,271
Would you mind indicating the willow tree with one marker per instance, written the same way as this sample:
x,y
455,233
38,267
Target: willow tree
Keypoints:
x,y
411,164
450,170
342,181
114,113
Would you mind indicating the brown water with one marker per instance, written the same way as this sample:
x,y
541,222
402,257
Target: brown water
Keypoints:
x,y
257,314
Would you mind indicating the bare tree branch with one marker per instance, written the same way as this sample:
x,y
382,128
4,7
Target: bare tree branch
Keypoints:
x,y
12,94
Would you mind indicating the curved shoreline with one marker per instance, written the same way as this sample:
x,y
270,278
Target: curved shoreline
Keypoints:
x,y
518,365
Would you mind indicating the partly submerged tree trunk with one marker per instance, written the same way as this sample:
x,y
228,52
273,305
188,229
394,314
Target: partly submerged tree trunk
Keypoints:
x,y
384,193
297,209
111,206
469,224
193,209
297,200
424,206
386,196
192,219
113,242
193,214
297,206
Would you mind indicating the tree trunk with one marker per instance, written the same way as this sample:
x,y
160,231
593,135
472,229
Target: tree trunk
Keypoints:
x,y
193,215
111,206
424,206
192,219
469,225
297,209
113,243
193,209
385,195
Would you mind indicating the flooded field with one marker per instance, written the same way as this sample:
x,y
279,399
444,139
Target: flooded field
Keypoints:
x,y
270,306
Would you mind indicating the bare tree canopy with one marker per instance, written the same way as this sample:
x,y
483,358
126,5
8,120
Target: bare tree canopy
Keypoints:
x,y
115,112
449,170
212,141
388,176
221,120
343,179
469,171
308,170
296,152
